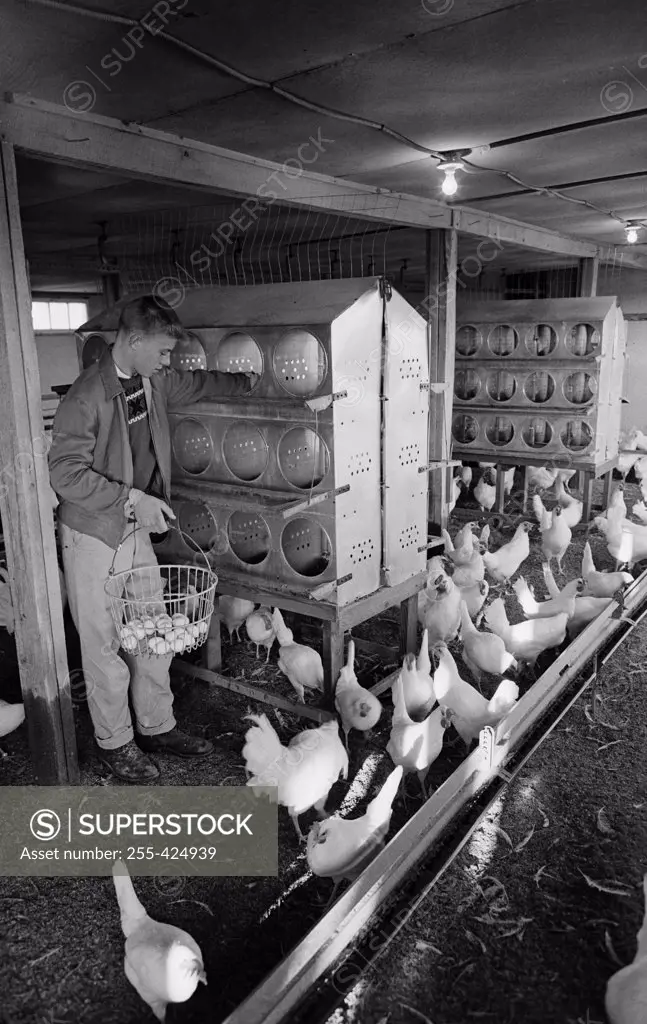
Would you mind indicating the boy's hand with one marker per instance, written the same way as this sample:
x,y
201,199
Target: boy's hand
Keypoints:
x,y
150,511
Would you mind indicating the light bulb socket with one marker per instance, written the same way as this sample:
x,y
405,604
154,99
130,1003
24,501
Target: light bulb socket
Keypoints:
x,y
631,230
451,165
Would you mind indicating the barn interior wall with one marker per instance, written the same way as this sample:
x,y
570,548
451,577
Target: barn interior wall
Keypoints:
x,y
58,361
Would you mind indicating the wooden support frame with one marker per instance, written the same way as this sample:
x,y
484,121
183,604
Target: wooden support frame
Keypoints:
x,y
50,130
588,282
335,622
25,506
440,307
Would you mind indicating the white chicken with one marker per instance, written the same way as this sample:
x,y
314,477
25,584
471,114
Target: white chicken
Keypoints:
x,y
416,745
304,771
465,474
572,506
11,716
471,710
534,609
461,549
260,629
600,584
617,502
474,596
585,610
485,490
626,994
163,963
640,469
417,683
440,614
526,640
625,543
485,538
301,664
639,509
504,562
483,652
233,612
358,708
454,493
340,849
540,477
555,532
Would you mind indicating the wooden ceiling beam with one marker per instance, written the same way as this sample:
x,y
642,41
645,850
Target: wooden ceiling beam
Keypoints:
x,y
50,131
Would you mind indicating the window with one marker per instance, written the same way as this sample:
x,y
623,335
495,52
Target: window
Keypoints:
x,y
58,316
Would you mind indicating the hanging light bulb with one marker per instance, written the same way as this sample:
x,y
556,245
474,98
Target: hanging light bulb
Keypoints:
x,y
632,232
450,185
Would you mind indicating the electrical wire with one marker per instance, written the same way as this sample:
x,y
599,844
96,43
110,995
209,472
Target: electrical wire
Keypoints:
x,y
319,108
256,83
546,190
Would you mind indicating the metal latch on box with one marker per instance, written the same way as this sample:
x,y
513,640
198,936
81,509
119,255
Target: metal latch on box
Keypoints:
x,y
440,464
316,499
327,588
323,402
433,542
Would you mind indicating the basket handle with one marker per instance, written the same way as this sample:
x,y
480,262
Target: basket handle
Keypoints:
x,y
171,526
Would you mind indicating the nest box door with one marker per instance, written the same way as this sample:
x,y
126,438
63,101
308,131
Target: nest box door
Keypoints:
x,y
405,441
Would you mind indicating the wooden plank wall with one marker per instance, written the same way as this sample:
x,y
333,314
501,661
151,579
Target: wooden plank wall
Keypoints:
x,y
26,511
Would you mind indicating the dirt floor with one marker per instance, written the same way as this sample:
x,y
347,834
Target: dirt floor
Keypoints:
x,y
513,925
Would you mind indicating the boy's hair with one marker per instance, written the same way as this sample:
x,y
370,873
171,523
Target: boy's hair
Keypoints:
x,y
150,315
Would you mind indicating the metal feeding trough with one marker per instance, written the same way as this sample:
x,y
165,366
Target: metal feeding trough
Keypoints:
x,y
539,378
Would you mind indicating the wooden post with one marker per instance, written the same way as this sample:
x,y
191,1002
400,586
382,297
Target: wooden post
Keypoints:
x,y
588,276
408,625
332,657
212,650
25,506
499,502
440,307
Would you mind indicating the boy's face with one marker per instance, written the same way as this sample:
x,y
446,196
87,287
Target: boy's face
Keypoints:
x,y
151,352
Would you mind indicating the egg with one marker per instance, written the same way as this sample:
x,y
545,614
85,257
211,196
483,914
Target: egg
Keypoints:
x,y
158,645
163,623
192,631
137,627
149,626
180,620
128,639
178,645
203,626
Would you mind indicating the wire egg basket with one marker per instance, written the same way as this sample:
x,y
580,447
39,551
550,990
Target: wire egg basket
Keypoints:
x,y
162,609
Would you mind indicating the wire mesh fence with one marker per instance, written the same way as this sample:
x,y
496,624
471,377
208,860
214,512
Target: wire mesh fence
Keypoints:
x,y
228,243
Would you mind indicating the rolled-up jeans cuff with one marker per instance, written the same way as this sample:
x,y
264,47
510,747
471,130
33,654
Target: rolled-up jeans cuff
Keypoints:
x,y
114,742
157,730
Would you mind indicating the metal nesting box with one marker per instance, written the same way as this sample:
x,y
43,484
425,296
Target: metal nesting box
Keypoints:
x,y
539,379
318,478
